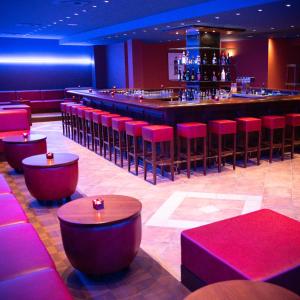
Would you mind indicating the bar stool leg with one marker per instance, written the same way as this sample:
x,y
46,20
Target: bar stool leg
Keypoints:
x,y
135,152
259,148
178,154
104,145
195,153
219,152
188,162
204,155
246,149
172,159
114,143
293,142
153,149
234,151
128,150
271,145
144,158
121,148
282,144
109,131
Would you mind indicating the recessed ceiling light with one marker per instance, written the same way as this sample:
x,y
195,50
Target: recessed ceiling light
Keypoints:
x,y
54,23
76,14
254,30
217,17
60,20
238,14
182,23
134,32
292,26
168,26
106,1
72,24
144,30
214,31
288,5
272,28
84,10
124,33
177,32
198,21
260,10
68,17
95,6
155,28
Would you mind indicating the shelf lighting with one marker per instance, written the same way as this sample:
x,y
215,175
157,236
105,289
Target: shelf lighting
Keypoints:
x,y
45,60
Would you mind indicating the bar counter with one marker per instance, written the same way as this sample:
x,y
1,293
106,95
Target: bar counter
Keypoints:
x,y
164,111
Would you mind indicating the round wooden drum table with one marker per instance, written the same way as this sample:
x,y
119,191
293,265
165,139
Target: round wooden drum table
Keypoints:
x,y
17,147
99,242
51,179
242,290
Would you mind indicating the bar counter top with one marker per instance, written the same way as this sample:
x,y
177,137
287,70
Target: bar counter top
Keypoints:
x,y
163,104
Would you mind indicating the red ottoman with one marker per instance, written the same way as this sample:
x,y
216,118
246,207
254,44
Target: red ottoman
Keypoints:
x,y
11,211
21,251
261,246
4,187
51,179
38,285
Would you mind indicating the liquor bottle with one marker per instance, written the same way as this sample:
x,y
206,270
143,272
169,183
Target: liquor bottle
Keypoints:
x,y
198,60
228,76
204,60
184,95
187,75
228,59
223,59
214,77
176,69
183,58
184,75
179,75
198,74
223,75
205,77
193,77
214,59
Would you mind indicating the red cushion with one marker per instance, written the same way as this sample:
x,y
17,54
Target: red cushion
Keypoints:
x,y
11,211
191,130
97,115
222,127
292,119
157,133
88,113
106,120
40,285
119,123
14,119
273,122
134,128
263,245
63,105
7,96
29,95
52,94
74,108
248,124
81,111
21,251
4,187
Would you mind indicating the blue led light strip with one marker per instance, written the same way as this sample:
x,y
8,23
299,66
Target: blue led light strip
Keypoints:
x,y
45,60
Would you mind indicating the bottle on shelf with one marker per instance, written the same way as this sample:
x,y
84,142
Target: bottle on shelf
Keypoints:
x,y
204,60
183,58
205,77
223,75
214,76
198,60
187,75
228,59
198,74
214,59
184,75
228,76
223,59
179,75
193,76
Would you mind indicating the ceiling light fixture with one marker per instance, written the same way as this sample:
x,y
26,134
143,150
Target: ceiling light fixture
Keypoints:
x,y
272,28
217,17
76,14
68,17
155,28
106,1
238,14
84,10
60,20
177,32
292,26
95,6
198,21
72,24
288,5
260,10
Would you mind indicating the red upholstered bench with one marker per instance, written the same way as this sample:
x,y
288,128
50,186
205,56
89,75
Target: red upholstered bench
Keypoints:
x,y
4,187
261,246
21,251
11,211
42,285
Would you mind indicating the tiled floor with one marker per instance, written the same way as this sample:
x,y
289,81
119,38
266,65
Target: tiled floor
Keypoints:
x,y
169,207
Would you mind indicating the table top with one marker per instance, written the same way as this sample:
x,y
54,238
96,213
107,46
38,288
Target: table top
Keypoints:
x,y
242,290
117,208
19,139
59,159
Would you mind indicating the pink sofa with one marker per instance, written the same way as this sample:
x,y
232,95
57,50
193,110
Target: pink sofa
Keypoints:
x,y
39,100
26,269
13,122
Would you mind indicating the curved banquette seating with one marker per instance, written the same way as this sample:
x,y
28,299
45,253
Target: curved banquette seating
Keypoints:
x,y
39,100
13,122
27,271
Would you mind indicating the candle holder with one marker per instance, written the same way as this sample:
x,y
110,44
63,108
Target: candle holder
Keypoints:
x,y
90,90
98,204
50,155
25,135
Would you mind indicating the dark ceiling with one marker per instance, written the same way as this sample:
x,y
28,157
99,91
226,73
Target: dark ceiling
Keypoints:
x,y
109,21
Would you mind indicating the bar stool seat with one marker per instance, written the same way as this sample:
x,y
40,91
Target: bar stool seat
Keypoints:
x,y
89,127
97,129
82,129
133,136
293,121
119,139
106,121
273,123
222,128
192,131
163,135
74,121
248,125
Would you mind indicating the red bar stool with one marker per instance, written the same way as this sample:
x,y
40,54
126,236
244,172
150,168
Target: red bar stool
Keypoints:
x,y
273,123
118,133
162,135
82,138
292,122
222,128
106,121
133,136
97,130
63,108
89,127
192,132
246,126
74,122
